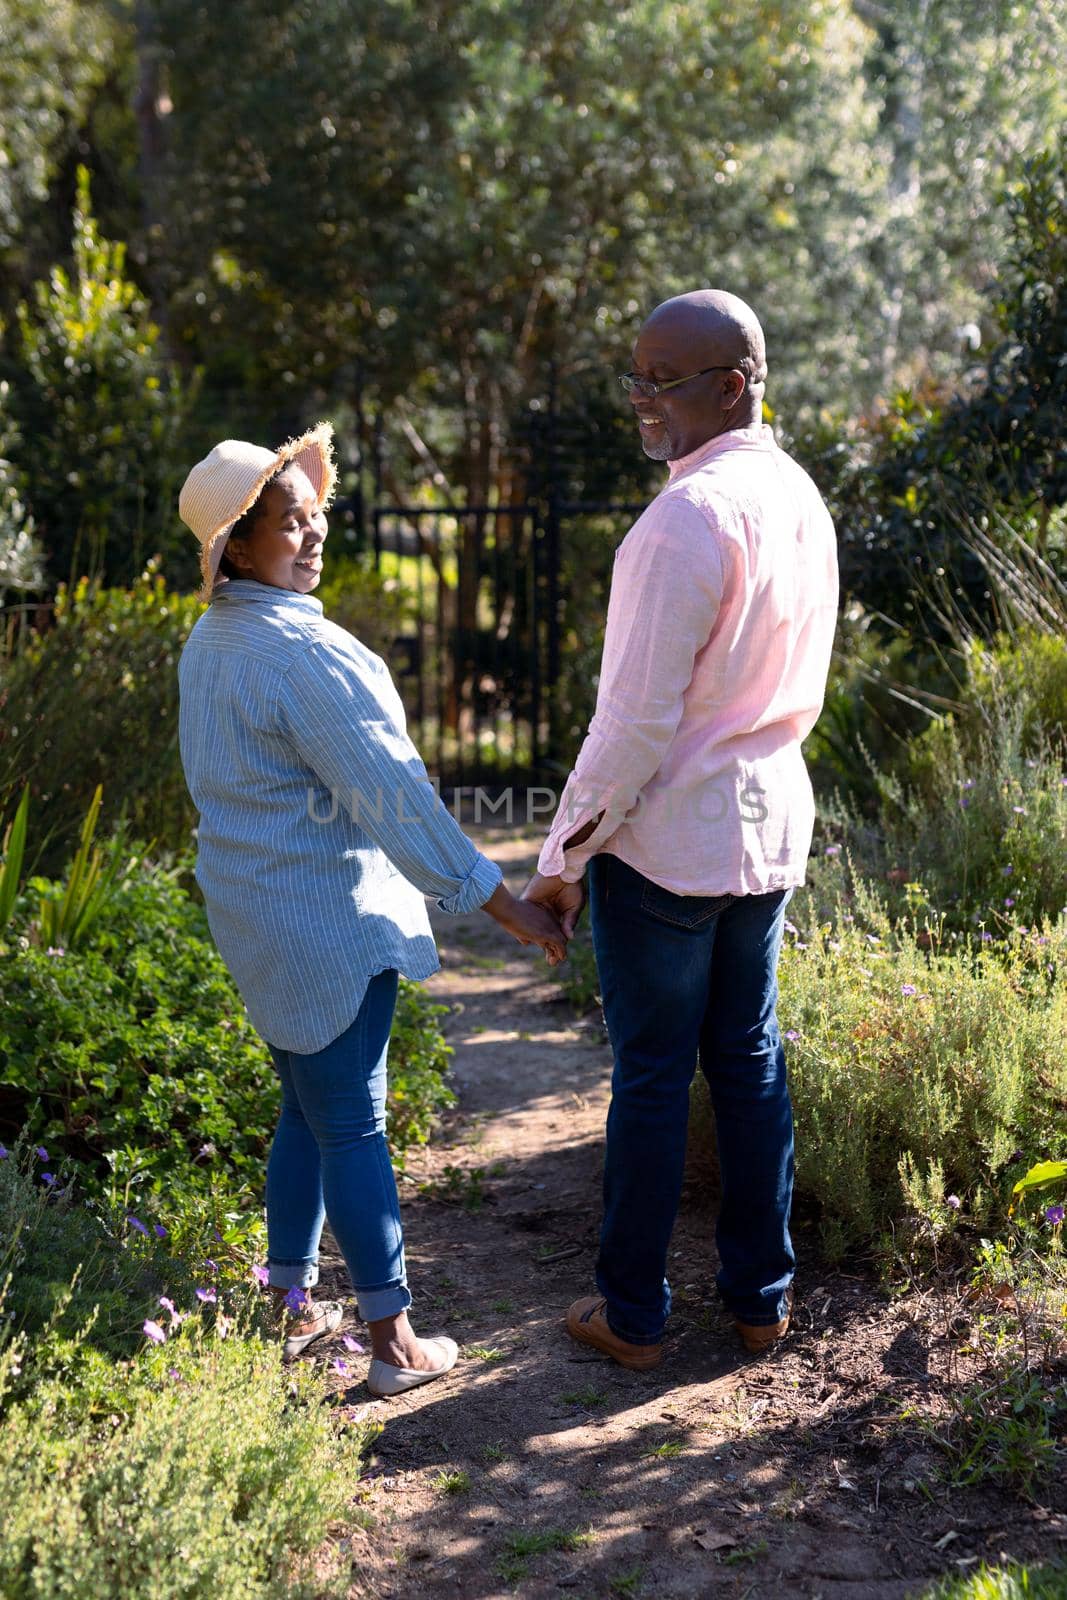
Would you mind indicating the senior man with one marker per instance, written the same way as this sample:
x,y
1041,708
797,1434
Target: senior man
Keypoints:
x,y
691,806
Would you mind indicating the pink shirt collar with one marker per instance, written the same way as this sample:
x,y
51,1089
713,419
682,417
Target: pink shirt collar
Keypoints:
x,y
760,434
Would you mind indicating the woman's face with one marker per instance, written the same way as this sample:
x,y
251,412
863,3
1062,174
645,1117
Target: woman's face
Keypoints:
x,y
284,548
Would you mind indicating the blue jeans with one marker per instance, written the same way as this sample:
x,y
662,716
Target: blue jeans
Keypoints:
x,y
329,1159
683,976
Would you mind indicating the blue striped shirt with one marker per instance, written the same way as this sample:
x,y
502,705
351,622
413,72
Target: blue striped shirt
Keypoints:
x,y
319,831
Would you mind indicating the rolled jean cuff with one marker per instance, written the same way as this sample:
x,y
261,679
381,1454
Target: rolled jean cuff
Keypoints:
x,y
374,1304
292,1274
633,1338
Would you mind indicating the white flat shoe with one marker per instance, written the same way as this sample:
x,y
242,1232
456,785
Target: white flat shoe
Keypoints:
x,y
383,1379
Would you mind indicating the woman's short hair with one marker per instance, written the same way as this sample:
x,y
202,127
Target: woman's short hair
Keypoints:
x,y
242,528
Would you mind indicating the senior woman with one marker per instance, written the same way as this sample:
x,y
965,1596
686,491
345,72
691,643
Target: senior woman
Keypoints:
x,y
319,834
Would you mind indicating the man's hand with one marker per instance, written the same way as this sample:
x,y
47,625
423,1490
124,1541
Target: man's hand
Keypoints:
x,y
528,923
565,900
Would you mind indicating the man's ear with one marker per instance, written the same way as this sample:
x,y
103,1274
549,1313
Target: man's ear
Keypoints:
x,y
729,401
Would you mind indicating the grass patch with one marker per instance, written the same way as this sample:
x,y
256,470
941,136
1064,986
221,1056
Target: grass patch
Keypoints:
x,y
513,1563
589,1398
454,1482
1002,1583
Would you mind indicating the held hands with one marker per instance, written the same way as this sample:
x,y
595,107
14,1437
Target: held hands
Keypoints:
x,y
565,900
529,923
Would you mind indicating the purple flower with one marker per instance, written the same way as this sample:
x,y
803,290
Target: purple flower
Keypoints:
x,y
159,1230
908,989
792,1035
261,1275
212,1266
985,937
952,1201
1054,1214
42,1153
341,1367
352,1345
1008,870
1018,1155
208,1296
55,950
1020,811
173,1373
217,1234
789,928
49,1178
153,1331
168,1305
4,1152
1008,901
135,1222
833,850
296,1299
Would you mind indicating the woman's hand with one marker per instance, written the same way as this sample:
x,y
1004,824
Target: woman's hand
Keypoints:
x,y
528,923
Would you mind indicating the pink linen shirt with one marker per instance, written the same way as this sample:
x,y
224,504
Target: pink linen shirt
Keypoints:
x,y
719,630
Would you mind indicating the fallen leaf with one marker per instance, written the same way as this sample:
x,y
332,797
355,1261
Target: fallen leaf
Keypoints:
x,y
708,1539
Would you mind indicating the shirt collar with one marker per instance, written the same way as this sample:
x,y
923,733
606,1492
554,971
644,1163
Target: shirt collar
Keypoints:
x,y
250,591
759,436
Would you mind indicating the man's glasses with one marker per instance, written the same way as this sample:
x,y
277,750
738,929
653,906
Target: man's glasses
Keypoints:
x,y
635,385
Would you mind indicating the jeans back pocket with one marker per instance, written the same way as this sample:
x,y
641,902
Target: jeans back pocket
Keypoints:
x,y
690,911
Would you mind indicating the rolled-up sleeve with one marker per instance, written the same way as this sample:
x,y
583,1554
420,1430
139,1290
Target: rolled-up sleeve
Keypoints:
x,y
345,722
665,596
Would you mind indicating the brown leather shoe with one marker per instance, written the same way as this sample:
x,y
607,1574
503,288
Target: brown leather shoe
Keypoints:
x,y
757,1338
587,1321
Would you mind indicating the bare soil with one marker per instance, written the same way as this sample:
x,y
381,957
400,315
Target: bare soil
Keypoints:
x,y
792,1474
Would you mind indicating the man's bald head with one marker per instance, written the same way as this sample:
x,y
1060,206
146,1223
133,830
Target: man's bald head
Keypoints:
x,y
719,324
706,352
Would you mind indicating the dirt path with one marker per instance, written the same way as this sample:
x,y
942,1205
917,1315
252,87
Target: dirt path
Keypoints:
x,y
541,1469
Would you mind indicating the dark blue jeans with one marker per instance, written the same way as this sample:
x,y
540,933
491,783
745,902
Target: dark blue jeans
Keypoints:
x,y
683,976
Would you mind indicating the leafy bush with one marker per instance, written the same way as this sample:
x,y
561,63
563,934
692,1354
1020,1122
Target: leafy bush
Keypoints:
x,y
921,1066
134,1053
358,597
974,832
94,700
101,415
200,1464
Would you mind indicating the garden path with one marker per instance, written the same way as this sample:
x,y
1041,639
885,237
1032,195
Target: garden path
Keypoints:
x,y
539,1468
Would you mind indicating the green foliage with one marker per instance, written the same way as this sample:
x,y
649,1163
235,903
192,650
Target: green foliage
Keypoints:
x,y
101,416
1002,1430
117,651
1011,1582
14,845
21,556
973,834
1027,672
201,1463
918,1066
358,597
133,1053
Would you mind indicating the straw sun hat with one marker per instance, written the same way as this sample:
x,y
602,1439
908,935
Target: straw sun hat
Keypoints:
x,y
227,483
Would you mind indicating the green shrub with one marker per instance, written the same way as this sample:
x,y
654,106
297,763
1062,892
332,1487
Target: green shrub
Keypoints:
x,y
1029,673
195,1465
974,834
920,1063
94,700
101,414
134,1055
358,597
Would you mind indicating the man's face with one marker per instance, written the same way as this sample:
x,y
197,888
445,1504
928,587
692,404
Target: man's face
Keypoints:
x,y
284,548
679,421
